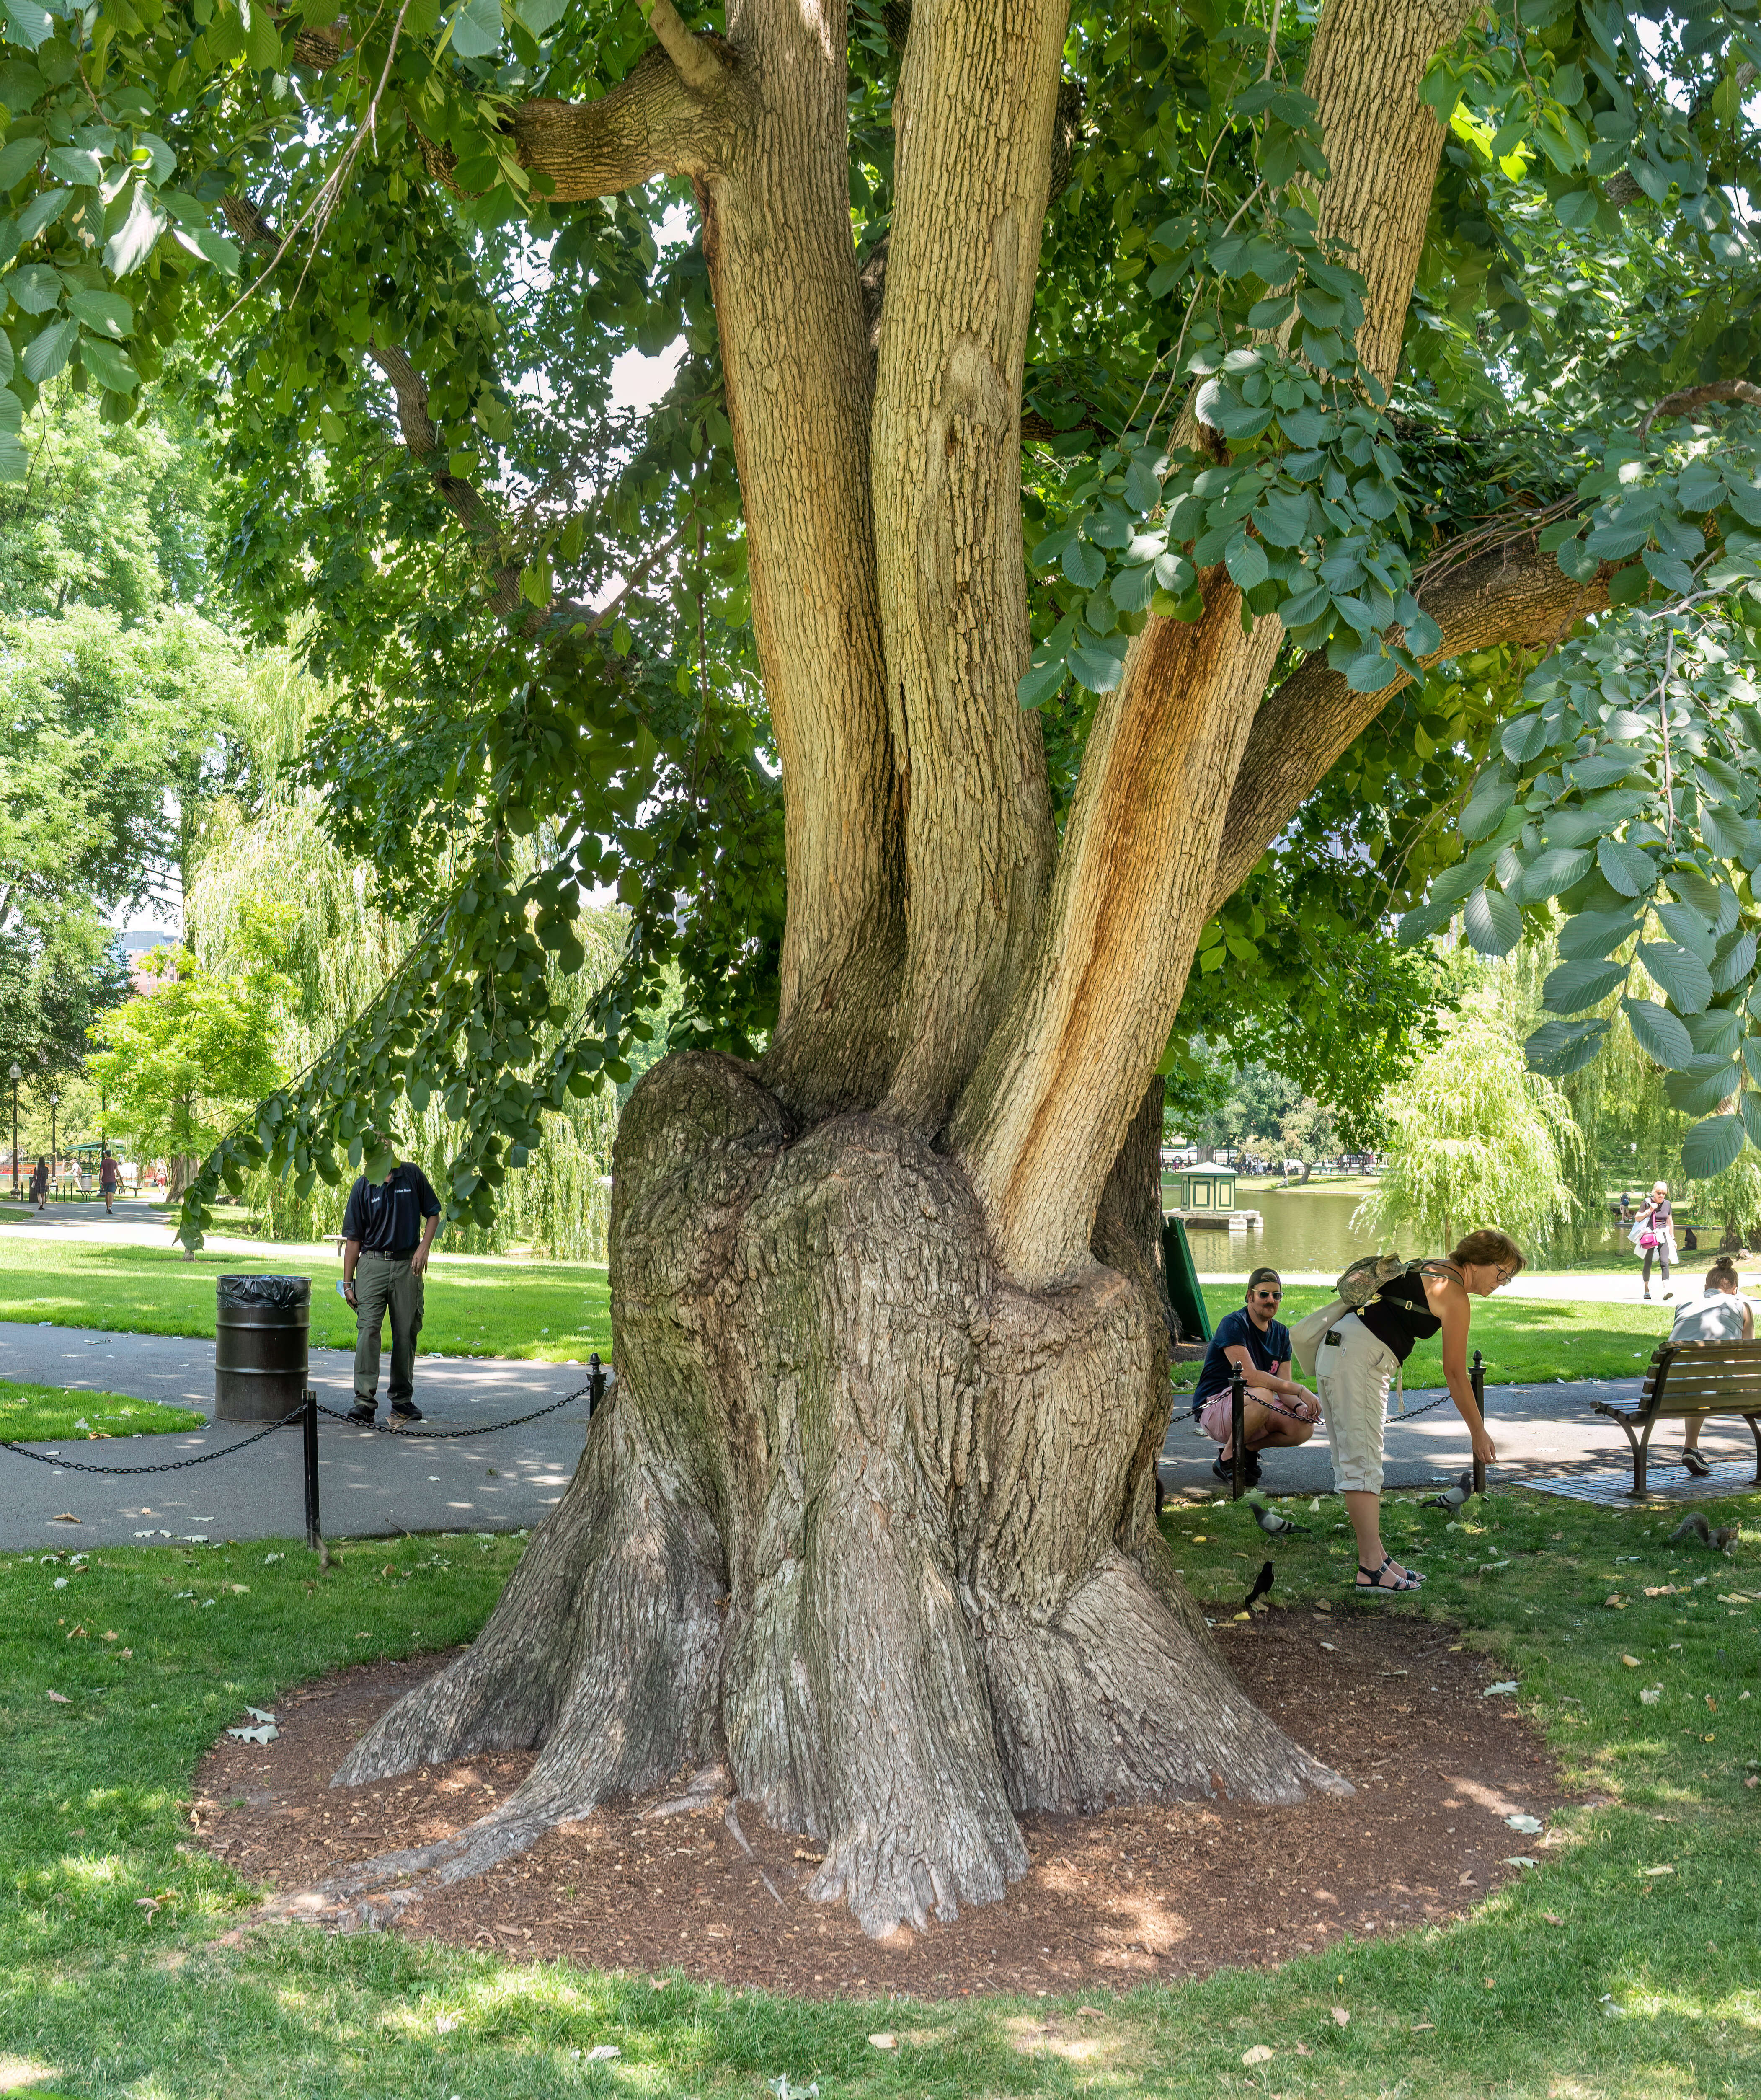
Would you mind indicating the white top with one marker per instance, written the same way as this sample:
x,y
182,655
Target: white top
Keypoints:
x,y
1716,1315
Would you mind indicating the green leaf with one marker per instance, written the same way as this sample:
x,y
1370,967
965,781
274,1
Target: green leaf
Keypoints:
x,y
46,353
17,160
1552,872
1711,1146
1560,1047
1245,561
1084,564
1702,1084
1734,960
1631,872
134,241
1490,800
1573,987
1492,922
107,314
1749,1107
1714,1033
28,23
1658,1033
1678,972
1593,935
1693,887
77,164
1097,667
262,39
477,28
1730,834
109,366
1040,681
539,16
35,289
40,215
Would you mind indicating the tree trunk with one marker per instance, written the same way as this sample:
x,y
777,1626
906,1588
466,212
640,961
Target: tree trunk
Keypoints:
x,y
869,1525
865,1523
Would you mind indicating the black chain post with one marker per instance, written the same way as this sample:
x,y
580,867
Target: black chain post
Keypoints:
x,y
310,1425
1477,1380
596,1384
1238,1434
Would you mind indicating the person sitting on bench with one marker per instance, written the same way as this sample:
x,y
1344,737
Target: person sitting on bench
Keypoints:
x,y
1720,1314
1259,1343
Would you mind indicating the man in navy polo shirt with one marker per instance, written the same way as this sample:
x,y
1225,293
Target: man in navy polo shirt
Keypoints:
x,y
387,1231
1275,1409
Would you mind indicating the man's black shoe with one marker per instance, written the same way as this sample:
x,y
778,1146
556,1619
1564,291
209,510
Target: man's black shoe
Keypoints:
x,y
1224,1468
362,1413
407,1411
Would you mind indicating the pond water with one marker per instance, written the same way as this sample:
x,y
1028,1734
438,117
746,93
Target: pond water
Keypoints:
x,y
1305,1230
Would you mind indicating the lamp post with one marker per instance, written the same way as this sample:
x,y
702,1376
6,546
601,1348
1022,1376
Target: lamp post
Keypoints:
x,y
17,1075
54,1102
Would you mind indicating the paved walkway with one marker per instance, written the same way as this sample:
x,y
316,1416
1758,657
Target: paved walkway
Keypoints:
x,y
371,1484
1541,1432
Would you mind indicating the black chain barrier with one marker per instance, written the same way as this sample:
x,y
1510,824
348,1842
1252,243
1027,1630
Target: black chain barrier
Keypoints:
x,y
420,1436
307,1413
175,1466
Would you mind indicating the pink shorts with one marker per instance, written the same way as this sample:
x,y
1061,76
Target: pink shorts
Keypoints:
x,y
1215,1418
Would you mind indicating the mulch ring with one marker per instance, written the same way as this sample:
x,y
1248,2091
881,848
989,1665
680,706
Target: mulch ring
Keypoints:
x,y
1110,1900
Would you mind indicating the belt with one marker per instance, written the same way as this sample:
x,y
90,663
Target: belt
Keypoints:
x,y
379,1254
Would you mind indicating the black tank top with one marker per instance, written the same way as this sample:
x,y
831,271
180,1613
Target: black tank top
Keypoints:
x,y
1402,1315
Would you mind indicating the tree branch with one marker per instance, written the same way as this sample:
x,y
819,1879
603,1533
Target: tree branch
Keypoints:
x,y
699,66
1684,402
1621,188
1510,593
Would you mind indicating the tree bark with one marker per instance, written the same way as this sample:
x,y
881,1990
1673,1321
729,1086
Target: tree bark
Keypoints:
x,y
1041,1121
977,95
864,1523
867,1533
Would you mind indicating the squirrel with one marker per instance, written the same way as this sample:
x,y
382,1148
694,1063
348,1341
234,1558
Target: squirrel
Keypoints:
x,y
1723,1538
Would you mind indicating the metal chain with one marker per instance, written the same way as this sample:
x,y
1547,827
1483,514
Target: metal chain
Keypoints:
x,y
176,1465
445,1436
205,1457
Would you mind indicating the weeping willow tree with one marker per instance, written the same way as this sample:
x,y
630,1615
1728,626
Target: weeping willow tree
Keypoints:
x,y
274,888
1475,1138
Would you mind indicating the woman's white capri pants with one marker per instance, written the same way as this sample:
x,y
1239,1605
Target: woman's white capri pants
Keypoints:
x,y
1354,1374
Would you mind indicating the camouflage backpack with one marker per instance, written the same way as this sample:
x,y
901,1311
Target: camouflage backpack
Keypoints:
x,y
1370,1275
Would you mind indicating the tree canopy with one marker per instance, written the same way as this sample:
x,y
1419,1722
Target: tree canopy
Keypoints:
x,y
411,245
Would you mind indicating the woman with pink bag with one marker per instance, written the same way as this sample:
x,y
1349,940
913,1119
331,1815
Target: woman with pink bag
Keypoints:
x,y
1653,1234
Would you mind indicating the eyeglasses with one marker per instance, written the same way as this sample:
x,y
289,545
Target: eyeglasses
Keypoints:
x,y
1504,1276
1269,1297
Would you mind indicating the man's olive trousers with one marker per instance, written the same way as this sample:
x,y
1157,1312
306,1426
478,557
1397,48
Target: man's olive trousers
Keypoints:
x,y
384,1284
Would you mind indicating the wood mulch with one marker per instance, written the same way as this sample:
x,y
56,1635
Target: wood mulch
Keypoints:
x,y
1110,1900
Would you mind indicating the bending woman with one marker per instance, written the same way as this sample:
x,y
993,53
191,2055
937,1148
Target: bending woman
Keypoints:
x,y
1358,1362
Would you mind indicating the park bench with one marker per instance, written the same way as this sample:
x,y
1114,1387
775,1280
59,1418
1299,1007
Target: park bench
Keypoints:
x,y
1691,1378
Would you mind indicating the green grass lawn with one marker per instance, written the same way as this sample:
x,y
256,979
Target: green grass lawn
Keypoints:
x,y
1647,1989
1526,1341
549,1311
33,1413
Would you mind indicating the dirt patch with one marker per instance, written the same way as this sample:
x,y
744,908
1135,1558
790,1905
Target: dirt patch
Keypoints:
x,y
1112,1899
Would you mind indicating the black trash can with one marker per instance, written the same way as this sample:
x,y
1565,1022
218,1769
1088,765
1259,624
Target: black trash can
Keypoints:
x,y
262,1327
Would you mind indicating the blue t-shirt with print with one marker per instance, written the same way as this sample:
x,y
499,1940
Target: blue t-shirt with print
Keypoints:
x,y
1266,1350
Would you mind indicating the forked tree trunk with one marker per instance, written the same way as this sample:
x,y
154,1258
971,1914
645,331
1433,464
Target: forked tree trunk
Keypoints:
x,y
870,1522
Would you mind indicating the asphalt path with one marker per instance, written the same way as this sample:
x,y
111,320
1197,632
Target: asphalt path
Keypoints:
x,y
375,1485
371,1484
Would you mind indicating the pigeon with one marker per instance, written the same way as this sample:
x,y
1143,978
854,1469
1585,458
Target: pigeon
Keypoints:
x,y
1262,1583
1451,1498
1273,1525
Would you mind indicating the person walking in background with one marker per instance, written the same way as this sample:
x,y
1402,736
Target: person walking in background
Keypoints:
x,y
387,1231
1358,1362
109,1177
1719,1314
1274,1411
1653,1234
40,1182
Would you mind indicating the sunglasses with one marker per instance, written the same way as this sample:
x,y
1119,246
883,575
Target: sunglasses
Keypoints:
x,y
1269,1297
